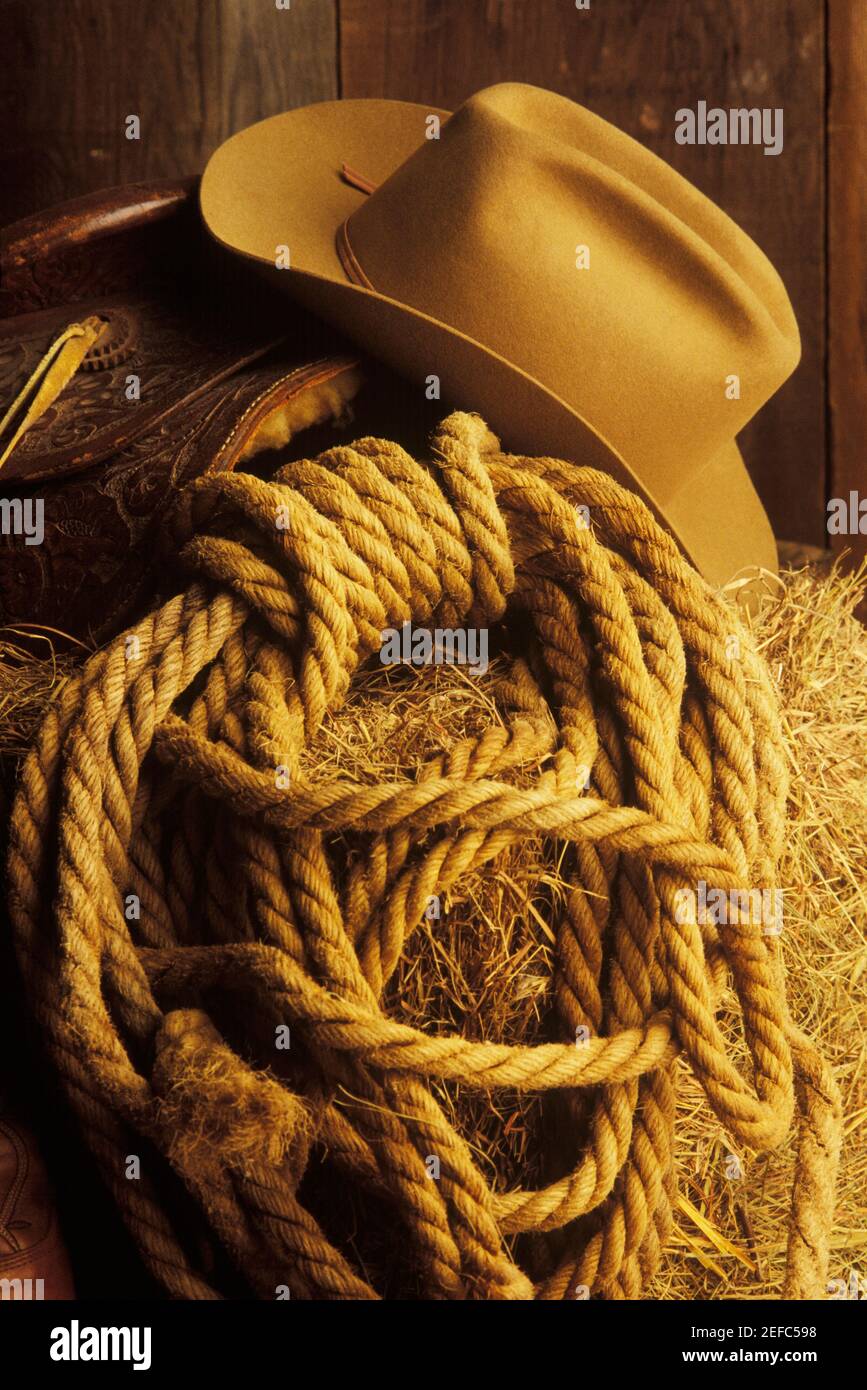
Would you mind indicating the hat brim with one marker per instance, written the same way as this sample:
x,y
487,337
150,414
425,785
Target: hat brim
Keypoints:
x,y
276,186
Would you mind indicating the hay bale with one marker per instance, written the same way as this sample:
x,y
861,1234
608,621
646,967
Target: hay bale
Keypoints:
x,y
729,1239
484,965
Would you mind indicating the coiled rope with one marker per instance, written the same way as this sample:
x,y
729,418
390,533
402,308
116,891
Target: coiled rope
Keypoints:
x,y
169,774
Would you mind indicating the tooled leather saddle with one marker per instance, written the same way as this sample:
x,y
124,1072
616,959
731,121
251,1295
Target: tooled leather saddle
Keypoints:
x,y
191,368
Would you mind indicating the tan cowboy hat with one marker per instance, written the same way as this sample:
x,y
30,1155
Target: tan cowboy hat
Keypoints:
x,y
553,274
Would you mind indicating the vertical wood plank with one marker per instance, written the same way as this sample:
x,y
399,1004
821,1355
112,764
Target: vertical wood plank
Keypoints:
x,y
636,64
847,258
194,71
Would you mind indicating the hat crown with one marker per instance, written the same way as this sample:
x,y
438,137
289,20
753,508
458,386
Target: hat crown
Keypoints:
x,y
539,229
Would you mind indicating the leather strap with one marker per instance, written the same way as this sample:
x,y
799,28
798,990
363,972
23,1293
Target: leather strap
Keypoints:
x,y
48,379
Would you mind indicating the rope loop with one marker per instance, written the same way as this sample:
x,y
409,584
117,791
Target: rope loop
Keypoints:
x,y
210,974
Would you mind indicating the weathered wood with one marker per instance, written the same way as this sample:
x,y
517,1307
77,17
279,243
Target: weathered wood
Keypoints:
x,y
636,64
847,257
194,71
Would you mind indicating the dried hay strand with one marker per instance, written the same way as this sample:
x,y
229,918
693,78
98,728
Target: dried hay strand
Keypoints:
x,y
31,671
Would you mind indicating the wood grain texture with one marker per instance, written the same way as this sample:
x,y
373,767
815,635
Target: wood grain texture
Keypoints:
x,y
635,64
194,71
847,257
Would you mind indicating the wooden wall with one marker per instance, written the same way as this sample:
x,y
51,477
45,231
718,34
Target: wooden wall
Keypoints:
x,y
196,70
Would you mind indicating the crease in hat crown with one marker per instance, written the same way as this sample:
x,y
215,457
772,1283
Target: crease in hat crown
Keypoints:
x,y
467,245
488,217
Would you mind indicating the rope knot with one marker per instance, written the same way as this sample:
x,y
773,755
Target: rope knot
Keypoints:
x,y
333,553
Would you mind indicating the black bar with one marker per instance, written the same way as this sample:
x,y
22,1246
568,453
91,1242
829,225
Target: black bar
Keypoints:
x,y
247,1341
